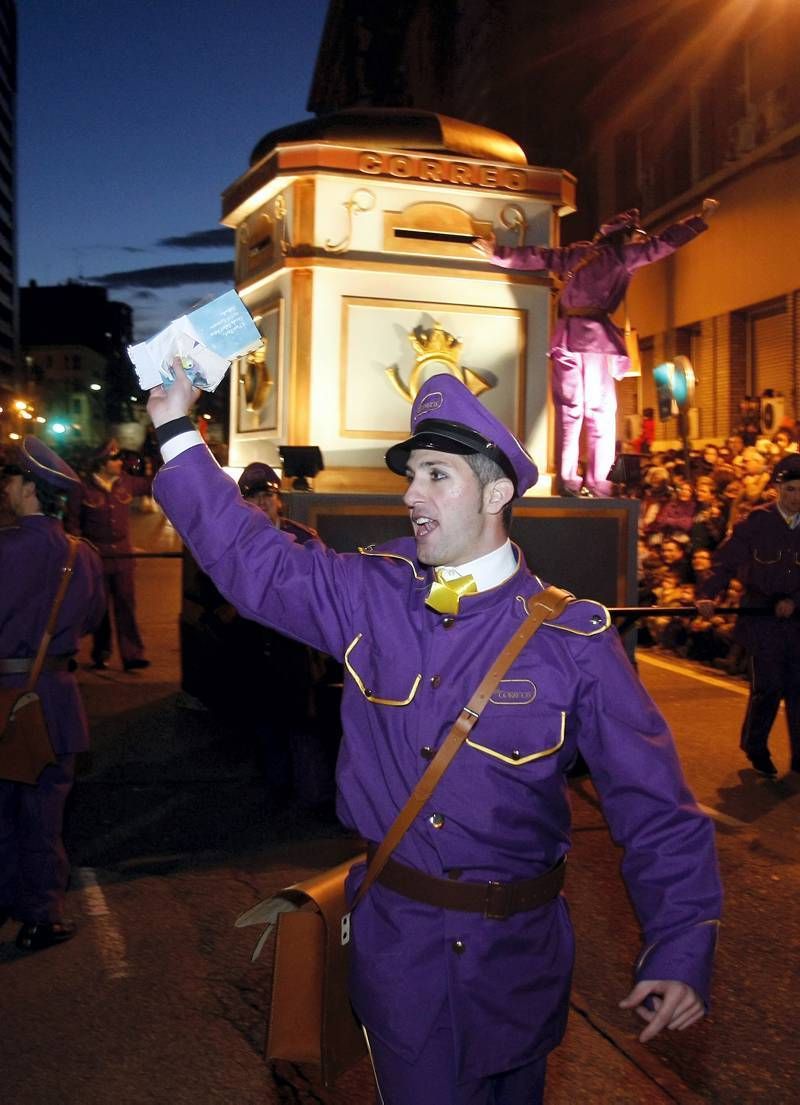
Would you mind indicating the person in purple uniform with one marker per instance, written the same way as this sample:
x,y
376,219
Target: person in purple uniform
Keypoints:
x,y
461,1008
763,551
588,349
105,507
34,868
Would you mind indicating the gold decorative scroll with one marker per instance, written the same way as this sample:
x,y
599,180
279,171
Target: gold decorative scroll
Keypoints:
x,y
279,210
360,201
513,218
255,382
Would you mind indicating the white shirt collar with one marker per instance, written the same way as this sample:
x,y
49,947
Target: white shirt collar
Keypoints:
x,y
791,520
488,571
106,484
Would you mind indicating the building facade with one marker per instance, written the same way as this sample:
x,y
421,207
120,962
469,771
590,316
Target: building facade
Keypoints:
x,y
74,370
652,106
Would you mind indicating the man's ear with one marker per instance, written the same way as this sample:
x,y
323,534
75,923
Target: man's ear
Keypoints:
x,y
497,494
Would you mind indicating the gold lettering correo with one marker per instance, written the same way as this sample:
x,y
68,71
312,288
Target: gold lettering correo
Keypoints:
x,y
371,163
435,346
440,171
401,166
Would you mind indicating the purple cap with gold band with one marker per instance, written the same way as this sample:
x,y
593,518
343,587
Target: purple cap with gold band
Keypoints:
x,y
446,416
36,460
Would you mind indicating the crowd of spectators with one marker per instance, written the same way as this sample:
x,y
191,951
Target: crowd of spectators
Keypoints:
x,y
689,504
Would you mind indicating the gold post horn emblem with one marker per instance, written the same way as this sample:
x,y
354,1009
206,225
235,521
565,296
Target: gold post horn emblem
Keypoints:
x,y
435,346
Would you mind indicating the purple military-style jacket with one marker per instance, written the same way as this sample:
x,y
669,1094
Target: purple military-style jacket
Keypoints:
x,y
32,555
764,553
596,275
105,516
502,810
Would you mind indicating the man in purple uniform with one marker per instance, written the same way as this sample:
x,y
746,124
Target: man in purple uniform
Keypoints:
x,y
105,520
461,1007
33,552
587,348
763,551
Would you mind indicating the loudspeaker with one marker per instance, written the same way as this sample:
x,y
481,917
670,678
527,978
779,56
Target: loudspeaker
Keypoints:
x,y
627,469
772,410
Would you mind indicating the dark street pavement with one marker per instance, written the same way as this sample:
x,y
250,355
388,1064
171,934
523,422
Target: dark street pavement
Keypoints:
x,y
172,834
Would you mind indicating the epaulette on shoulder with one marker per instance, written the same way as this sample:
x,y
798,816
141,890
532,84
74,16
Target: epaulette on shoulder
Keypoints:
x,y
584,617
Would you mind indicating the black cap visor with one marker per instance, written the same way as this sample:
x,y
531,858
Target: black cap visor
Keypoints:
x,y
447,437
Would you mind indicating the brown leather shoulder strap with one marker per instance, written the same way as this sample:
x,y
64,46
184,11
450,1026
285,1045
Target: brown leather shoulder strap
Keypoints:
x,y
547,604
50,629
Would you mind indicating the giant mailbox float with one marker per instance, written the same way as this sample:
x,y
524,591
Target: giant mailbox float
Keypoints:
x,y
353,254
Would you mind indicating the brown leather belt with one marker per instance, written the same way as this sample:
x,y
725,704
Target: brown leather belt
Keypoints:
x,y
495,900
20,665
596,313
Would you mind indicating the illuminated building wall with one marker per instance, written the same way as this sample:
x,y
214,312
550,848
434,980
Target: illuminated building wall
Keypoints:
x,y
653,104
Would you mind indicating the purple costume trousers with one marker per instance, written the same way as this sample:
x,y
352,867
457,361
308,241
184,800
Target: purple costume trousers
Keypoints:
x,y
432,1078
121,595
33,863
585,396
774,675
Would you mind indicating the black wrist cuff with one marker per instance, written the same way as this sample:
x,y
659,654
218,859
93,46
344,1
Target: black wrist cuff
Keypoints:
x,y
175,426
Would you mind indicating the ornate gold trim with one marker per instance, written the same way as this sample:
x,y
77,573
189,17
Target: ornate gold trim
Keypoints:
x,y
266,380
298,428
313,258
394,434
303,199
438,346
361,201
370,697
279,209
521,760
429,227
364,551
513,218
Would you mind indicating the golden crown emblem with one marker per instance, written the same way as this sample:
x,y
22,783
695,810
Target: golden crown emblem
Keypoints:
x,y
435,346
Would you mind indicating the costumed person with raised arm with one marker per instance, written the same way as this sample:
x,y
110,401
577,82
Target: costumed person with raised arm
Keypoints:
x,y
462,1003
587,348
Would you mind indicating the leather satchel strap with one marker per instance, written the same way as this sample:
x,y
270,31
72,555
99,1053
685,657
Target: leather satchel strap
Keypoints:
x,y
547,604
50,629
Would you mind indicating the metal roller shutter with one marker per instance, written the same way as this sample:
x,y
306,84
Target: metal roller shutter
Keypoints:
x,y
772,351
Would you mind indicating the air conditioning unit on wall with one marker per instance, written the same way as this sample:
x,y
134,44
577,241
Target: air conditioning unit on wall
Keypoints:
x,y
772,411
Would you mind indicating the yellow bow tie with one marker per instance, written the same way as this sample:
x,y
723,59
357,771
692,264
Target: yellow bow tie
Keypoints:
x,y
444,594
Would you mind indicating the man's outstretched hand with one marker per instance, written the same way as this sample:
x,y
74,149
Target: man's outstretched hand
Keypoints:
x,y
165,404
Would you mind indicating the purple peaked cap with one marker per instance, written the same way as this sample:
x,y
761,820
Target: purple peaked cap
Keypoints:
x,y
258,477
625,220
446,416
34,458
